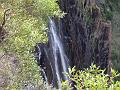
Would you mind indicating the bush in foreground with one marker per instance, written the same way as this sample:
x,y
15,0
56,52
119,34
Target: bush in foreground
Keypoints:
x,y
91,79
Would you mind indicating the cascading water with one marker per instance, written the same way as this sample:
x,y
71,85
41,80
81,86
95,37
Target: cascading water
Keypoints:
x,y
57,48
83,44
52,58
46,80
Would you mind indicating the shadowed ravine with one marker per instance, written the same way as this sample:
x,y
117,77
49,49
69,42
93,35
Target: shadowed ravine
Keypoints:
x,y
75,41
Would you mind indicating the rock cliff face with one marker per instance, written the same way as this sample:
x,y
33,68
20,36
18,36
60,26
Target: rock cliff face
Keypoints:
x,y
85,36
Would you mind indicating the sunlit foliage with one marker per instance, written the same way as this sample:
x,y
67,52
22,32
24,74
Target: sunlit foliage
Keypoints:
x,y
92,78
26,25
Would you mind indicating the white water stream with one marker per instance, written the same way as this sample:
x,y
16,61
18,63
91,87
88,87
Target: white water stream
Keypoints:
x,y
58,49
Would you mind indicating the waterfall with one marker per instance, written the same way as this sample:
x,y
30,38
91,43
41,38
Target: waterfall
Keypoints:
x,y
83,42
51,57
57,48
74,40
46,80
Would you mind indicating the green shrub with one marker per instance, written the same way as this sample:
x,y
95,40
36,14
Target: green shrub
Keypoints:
x,y
26,27
91,79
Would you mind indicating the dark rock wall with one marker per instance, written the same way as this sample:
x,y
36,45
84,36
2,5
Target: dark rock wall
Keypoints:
x,y
86,38
73,32
86,41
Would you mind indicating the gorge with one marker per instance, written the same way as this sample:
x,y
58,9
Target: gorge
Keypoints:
x,y
78,39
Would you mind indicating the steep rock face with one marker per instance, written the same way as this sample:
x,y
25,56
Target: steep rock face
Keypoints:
x,y
85,36
74,33
86,41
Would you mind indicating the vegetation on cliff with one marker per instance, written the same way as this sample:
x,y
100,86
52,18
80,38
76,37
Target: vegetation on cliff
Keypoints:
x,y
26,25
